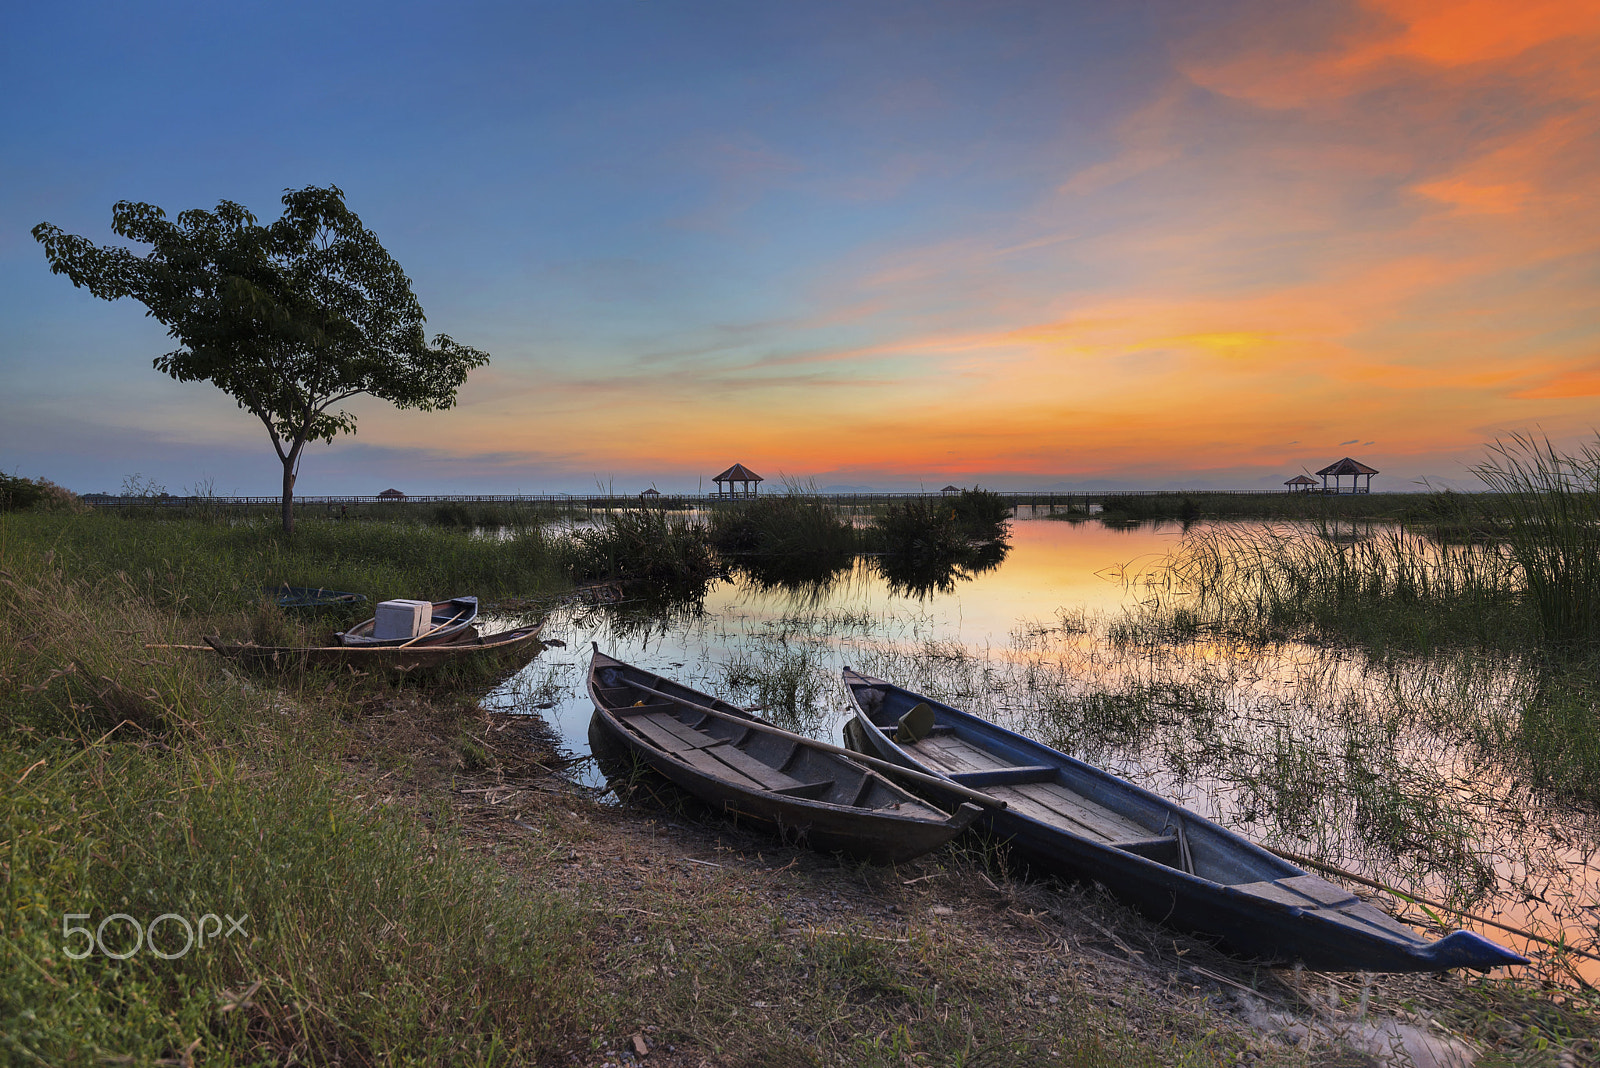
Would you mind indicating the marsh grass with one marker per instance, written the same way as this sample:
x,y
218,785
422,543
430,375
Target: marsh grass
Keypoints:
x,y
1382,588
665,551
793,525
788,681
1445,507
1551,506
143,783
194,567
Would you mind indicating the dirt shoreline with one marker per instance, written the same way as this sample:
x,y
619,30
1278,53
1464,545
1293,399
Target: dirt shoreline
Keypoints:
x,y
659,875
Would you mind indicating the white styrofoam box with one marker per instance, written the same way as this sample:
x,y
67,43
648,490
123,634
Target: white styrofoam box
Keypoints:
x,y
402,619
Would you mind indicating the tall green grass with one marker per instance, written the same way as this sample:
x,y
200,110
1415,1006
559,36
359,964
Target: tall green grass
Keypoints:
x,y
797,539
1383,588
1551,526
664,550
147,784
1309,507
198,567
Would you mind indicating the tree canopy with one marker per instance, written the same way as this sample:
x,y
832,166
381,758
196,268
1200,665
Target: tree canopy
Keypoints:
x,y
290,319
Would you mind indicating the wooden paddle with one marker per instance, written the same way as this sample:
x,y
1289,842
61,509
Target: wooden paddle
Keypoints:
x,y
434,630
872,762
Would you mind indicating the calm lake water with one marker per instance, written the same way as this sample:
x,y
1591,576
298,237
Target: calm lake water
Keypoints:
x,y
1367,766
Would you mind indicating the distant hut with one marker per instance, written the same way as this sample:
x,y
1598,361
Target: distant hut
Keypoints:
x,y
1349,467
748,481
1301,484
391,494
950,491
650,494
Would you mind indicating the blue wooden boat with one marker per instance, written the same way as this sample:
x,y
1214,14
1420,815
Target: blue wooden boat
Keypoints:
x,y
1176,867
288,596
809,791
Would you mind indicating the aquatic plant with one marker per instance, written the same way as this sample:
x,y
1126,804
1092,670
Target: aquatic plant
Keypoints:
x,y
664,550
1550,502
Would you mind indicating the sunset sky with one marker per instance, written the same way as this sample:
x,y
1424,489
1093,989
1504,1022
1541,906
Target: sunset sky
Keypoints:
x,y
869,243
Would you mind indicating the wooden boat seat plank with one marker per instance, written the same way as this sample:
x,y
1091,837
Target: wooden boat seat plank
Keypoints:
x,y
1284,893
768,777
1011,776
1111,826
953,755
1026,806
705,761
1319,890
811,791
668,732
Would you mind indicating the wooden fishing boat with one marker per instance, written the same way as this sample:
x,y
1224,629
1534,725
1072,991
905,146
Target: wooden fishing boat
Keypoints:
x,y
450,619
468,646
287,596
1174,866
810,791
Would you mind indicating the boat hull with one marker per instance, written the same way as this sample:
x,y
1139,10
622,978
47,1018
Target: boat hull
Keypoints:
x,y
468,647
1176,867
889,826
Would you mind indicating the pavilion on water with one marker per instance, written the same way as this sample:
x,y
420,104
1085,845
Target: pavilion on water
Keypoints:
x,y
748,481
1300,484
1349,467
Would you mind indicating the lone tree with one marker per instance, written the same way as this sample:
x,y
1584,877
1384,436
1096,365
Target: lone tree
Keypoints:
x,y
288,319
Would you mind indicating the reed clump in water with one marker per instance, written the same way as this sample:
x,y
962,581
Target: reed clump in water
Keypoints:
x,y
796,538
665,550
1383,588
1550,522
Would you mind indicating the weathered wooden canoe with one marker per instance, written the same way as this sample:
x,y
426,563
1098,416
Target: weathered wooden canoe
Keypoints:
x,y
1174,866
450,619
743,765
312,597
469,646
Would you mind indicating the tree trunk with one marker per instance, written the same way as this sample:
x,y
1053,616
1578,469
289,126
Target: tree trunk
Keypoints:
x,y
288,490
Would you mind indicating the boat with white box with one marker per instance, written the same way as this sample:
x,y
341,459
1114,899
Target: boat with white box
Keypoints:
x,y
404,622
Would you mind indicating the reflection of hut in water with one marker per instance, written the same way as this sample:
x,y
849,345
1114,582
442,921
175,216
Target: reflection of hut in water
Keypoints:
x,y
748,481
1349,467
1300,484
391,494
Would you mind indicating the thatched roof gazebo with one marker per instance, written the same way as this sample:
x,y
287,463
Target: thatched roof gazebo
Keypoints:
x,y
391,494
1300,484
950,491
1349,467
740,475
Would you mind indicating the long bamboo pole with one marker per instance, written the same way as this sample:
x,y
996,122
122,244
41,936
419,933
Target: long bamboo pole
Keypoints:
x,y
885,766
433,630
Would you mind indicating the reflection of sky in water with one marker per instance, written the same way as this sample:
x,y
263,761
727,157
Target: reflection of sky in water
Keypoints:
x,y
1308,749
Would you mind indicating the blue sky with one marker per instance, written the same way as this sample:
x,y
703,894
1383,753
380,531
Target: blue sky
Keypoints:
x,y
870,244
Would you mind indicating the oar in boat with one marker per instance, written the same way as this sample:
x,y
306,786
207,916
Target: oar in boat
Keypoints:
x,y
872,762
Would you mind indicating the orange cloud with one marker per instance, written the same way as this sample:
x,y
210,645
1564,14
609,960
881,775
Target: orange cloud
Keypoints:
x,y
1580,383
1453,34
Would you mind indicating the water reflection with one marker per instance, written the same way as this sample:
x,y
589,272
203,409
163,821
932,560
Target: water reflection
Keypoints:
x,y
1393,770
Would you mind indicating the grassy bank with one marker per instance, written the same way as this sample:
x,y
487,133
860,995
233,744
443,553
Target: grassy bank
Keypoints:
x,y
164,789
415,891
372,904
